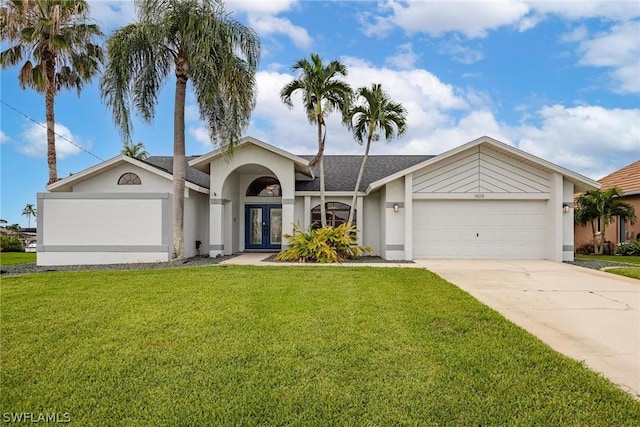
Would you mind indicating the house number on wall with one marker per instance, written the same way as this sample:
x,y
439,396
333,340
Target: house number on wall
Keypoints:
x,y
479,195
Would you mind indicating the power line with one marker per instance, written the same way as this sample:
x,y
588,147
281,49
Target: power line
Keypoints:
x,y
57,134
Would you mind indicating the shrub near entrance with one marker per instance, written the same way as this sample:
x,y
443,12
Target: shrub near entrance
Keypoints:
x,y
325,244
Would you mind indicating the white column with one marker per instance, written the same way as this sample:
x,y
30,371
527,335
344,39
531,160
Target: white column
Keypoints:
x,y
408,217
306,215
360,219
287,218
216,236
554,219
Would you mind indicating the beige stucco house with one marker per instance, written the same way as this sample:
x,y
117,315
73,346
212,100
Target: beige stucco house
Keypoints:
x,y
484,199
620,230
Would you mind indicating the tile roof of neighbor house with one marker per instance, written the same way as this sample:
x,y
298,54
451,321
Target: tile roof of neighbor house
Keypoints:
x,y
341,172
627,178
193,175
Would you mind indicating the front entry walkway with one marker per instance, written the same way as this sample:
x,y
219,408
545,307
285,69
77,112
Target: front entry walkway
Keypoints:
x,y
588,315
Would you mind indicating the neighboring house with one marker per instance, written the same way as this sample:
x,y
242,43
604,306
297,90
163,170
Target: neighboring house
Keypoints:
x,y
620,230
484,199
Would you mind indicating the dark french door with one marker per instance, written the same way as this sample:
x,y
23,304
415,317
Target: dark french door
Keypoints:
x,y
263,226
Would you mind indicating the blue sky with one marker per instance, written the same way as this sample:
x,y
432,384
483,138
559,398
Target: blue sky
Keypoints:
x,y
560,80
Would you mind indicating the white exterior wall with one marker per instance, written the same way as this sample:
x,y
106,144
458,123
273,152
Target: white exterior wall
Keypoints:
x,y
394,243
567,222
103,228
370,226
196,223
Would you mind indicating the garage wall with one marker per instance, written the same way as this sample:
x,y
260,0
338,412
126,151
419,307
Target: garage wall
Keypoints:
x,y
103,228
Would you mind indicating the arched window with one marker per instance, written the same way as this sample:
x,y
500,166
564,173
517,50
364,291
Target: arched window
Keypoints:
x,y
265,186
129,178
337,214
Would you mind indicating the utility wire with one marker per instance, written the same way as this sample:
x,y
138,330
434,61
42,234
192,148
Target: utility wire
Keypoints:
x,y
57,134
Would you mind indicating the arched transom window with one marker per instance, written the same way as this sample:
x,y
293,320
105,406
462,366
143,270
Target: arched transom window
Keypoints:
x,y
129,178
265,186
337,214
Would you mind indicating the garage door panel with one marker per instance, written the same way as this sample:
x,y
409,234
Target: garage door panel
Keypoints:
x,y
479,229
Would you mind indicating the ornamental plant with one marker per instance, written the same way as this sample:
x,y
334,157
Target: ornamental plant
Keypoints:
x,y
324,244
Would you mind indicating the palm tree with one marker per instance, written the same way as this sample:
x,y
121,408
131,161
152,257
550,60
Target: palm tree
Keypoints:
x,y
602,205
376,113
322,93
13,228
135,151
56,39
196,41
29,211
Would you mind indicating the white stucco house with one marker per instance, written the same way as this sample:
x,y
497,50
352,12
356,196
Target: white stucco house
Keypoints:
x,y
484,199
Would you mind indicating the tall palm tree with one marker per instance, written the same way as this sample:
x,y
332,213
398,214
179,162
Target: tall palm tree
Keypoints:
x,y
135,151
196,41
56,37
322,92
29,211
376,112
602,205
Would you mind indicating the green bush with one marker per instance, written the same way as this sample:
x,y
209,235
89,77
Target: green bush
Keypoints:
x,y
11,244
629,249
326,244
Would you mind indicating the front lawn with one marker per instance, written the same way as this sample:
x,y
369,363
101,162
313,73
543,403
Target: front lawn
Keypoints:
x,y
632,272
614,258
11,258
282,346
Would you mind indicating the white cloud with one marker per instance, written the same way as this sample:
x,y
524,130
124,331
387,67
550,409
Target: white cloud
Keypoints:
x,y
579,138
473,19
476,18
266,25
460,53
200,134
405,59
112,14
34,137
4,137
579,9
260,6
619,50
576,35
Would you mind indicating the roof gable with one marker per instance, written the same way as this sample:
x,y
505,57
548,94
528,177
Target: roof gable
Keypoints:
x,y
67,184
202,162
582,183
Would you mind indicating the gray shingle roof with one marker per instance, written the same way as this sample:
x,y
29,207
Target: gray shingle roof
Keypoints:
x,y
194,175
341,172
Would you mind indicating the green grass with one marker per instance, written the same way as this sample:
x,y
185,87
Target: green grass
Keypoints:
x,y
283,346
10,258
633,272
615,258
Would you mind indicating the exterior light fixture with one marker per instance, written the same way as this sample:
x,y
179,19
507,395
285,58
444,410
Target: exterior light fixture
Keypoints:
x,y
565,208
396,207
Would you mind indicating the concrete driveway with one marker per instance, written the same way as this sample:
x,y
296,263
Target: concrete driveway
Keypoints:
x,y
585,314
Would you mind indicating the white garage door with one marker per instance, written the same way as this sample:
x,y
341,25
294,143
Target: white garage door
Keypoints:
x,y
498,229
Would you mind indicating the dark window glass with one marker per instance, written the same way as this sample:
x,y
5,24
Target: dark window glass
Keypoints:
x,y
129,178
265,186
337,214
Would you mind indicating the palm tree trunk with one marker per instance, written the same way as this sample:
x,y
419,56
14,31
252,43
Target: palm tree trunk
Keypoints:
x,y
178,166
49,113
359,180
323,210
